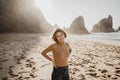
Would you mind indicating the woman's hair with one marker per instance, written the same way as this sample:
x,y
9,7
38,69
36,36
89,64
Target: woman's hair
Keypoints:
x,y
54,34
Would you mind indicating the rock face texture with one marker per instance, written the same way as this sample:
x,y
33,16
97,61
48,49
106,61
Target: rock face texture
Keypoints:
x,y
78,26
104,25
21,16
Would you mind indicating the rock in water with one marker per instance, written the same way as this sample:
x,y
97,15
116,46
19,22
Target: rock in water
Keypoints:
x,y
104,25
118,29
78,26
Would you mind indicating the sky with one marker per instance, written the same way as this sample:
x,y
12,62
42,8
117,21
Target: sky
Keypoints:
x,y
63,12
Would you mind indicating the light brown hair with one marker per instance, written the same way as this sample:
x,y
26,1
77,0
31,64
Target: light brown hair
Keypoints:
x,y
54,34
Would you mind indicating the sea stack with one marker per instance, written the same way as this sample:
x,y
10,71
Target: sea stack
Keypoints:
x,y
21,16
118,29
78,26
104,25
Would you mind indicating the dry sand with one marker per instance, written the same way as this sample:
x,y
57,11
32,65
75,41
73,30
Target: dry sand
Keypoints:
x,y
20,58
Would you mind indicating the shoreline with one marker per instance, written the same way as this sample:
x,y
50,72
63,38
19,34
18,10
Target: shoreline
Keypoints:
x,y
82,37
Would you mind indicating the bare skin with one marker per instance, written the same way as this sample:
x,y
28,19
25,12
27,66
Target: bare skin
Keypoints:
x,y
61,51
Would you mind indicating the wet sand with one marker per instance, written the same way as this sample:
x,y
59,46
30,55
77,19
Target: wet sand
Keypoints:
x,y
21,59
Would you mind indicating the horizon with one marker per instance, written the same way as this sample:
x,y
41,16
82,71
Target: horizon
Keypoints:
x,y
62,12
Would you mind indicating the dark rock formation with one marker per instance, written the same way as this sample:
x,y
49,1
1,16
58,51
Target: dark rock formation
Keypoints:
x,y
78,26
21,16
104,25
118,29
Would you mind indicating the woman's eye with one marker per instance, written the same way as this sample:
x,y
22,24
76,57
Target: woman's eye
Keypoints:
x,y
58,36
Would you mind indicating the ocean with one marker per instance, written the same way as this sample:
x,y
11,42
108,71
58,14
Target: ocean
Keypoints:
x,y
113,37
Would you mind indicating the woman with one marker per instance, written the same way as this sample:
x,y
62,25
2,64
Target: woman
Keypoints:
x,y
61,51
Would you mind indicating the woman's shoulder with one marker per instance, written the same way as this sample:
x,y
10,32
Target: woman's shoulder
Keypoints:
x,y
52,45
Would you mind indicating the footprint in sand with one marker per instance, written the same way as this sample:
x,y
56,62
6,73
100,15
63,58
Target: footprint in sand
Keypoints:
x,y
93,74
5,78
44,65
32,75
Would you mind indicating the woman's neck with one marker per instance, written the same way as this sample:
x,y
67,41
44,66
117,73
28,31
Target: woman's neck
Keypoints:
x,y
60,43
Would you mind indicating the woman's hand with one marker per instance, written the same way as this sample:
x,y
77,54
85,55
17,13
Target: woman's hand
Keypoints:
x,y
54,64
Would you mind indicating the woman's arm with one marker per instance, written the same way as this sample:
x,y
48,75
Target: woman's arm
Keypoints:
x,y
44,52
70,49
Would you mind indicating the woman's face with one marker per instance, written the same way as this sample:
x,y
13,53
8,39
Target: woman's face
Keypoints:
x,y
60,37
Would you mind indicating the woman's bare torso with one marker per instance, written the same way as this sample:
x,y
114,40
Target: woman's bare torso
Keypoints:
x,y
60,54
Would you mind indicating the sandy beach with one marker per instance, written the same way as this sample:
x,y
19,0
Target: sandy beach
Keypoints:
x,y
21,59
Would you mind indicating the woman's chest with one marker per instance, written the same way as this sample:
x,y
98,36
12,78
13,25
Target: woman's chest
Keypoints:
x,y
61,50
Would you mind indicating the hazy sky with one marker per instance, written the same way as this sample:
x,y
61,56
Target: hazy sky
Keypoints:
x,y
63,12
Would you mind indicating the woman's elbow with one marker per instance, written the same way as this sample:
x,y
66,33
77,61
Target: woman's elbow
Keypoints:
x,y
43,53
70,50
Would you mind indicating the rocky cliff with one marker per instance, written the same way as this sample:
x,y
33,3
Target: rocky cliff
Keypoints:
x,y
21,16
